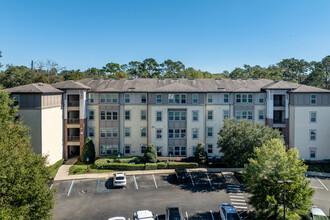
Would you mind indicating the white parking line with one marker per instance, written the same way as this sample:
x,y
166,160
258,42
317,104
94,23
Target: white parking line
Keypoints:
x,y
192,181
238,200
208,179
70,188
233,193
240,207
212,214
187,215
135,183
322,184
154,180
240,197
238,203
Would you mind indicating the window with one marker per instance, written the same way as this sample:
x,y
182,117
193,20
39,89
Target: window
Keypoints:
x,y
170,116
159,98
102,132
313,99
183,116
127,98
127,115
312,116
244,115
244,98
170,133
250,115
210,148
114,132
16,100
179,151
159,116
183,151
238,98
108,98
210,98
183,133
114,98
102,149
108,115
91,131
127,148
108,132
143,132
102,98
209,115
195,133
143,98
143,148
143,114
195,115
312,152
261,98
177,98
312,135
238,115
195,98
177,116
159,133
91,97
250,98
194,150
225,114
183,98
102,115
210,131
261,115
114,148
114,115
226,98
170,98
91,115
170,151
159,150
127,132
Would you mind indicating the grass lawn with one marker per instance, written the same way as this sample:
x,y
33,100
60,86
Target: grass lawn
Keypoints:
x,y
54,168
82,169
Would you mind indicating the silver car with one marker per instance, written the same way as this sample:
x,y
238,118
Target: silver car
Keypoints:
x,y
119,180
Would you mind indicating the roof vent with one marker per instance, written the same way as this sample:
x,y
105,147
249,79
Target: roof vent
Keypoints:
x,y
132,88
221,88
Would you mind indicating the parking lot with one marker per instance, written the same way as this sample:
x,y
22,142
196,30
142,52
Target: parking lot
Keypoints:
x,y
199,197
322,193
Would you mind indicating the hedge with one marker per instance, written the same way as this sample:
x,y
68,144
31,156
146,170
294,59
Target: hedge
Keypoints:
x,y
161,165
119,166
54,168
151,166
175,165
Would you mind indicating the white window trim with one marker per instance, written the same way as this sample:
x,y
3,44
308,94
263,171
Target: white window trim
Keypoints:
x,y
193,116
161,133
310,150
192,133
192,97
224,98
223,114
130,115
130,149
207,131
207,148
310,117
141,128
311,99
208,115
210,94
130,132
129,98
161,98
145,115
142,94
89,99
310,134
161,115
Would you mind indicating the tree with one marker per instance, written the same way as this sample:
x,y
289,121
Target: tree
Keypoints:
x,y
88,151
273,163
238,138
293,69
17,76
200,153
172,69
24,178
150,154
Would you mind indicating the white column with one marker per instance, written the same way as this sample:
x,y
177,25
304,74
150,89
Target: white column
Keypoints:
x,y
286,106
270,104
65,107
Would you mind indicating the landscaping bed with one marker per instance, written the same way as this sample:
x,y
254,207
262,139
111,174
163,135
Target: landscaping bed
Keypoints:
x,y
54,168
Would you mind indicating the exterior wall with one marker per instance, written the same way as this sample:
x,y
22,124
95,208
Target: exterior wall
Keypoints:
x,y
51,100
302,126
32,119
29,101
96,125
52,134
200,124
135,123
303,99
258,108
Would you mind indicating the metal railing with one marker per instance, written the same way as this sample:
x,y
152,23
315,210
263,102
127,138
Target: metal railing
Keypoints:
x,y
73,121
73,103
73,138
279,103
279,121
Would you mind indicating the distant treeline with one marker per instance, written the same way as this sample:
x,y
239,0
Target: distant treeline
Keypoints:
x,y
314,73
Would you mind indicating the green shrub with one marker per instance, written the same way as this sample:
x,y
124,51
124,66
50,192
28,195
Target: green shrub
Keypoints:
x,y
88,151
161,165
200,153
150,155
75,170
54,168
151,166
137,160
118,166
175,165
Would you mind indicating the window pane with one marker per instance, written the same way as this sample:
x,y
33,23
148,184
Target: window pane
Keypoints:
x,y
170,116
108,132
102,115
114,115
159,98
127,115
127,149
183,133
115,132
127,132
183,98
183,116
238,98
226,98
108,115
159,116
195,98
170,133
177,98
177,116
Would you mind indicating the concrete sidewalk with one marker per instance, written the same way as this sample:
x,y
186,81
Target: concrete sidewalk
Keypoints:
x,y
63,172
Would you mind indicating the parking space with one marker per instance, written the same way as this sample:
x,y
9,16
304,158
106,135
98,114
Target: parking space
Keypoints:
x,y
164,180
144,181
200,179
216,179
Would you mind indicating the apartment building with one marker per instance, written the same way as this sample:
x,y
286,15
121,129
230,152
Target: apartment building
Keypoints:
x,y
124,115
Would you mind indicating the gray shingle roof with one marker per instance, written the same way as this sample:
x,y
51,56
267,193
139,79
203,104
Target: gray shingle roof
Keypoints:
x,y
39,88
69,84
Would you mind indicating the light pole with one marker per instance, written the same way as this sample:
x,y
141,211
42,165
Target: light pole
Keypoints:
x,y
284,182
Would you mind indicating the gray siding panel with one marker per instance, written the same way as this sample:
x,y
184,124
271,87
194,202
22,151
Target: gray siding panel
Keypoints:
x,y
303,99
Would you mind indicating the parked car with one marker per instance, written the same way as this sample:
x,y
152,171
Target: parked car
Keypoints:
x,y
228,212
143,215
173,213
119,180
181,175
117,218
317,214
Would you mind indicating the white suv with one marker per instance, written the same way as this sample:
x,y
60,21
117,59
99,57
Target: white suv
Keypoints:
x,y
119,180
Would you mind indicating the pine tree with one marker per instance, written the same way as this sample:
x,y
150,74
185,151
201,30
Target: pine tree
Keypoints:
x,y
150,155
88,151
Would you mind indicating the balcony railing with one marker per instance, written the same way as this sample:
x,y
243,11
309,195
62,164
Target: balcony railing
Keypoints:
x,y
73,103
279,121
73,138
279,103
73,121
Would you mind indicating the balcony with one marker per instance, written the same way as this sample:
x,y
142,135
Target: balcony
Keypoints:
x,y
73,100
74,138
279,101
73,103
279,121
73,121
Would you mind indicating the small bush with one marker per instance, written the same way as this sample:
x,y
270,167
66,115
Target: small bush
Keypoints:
x,y
54,168
161,165
75,170
175,165
137,160
151,166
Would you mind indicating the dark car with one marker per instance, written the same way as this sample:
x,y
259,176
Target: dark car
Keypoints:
x,y
181,175
173,213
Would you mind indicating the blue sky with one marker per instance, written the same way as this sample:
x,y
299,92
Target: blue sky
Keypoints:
x,y
211,35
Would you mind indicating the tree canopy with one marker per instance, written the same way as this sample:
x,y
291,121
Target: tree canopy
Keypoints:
x,y
150,154
200,153
237,139
24,178
272,163
88,151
